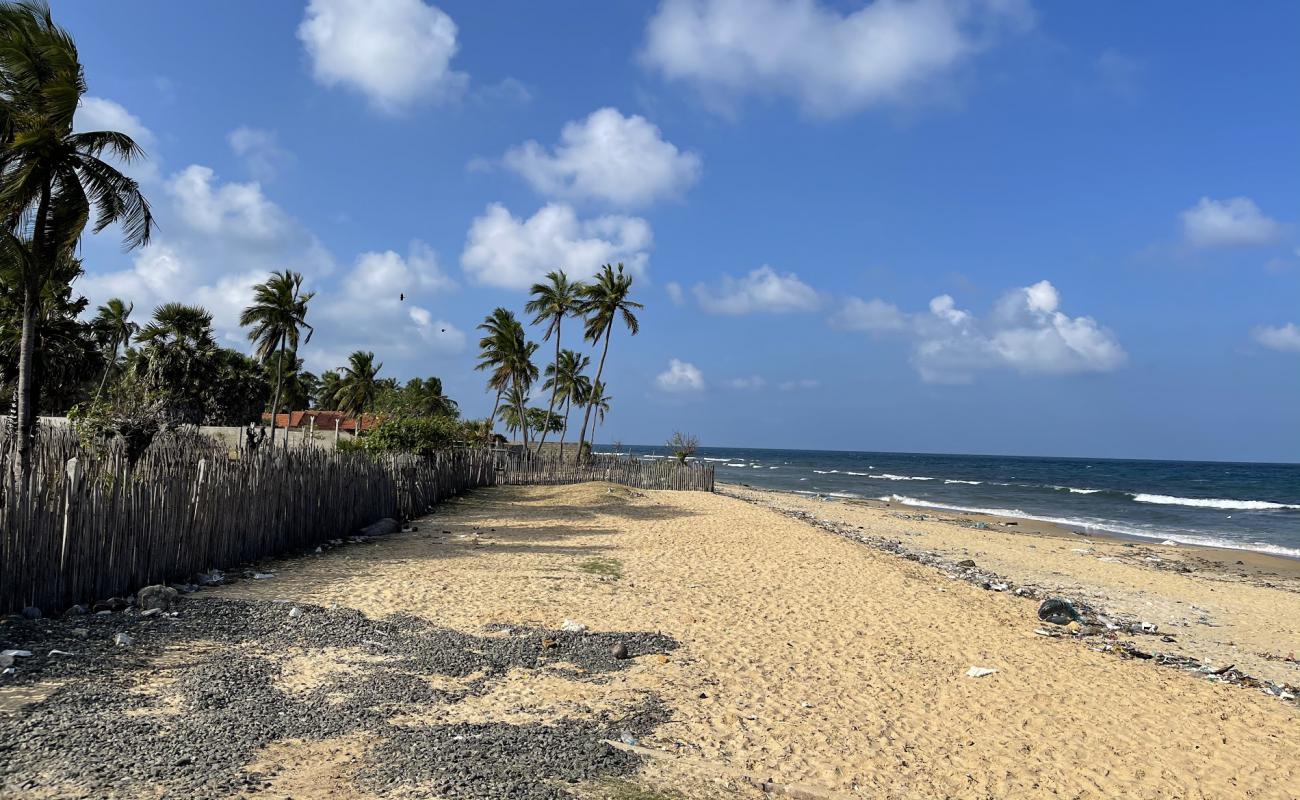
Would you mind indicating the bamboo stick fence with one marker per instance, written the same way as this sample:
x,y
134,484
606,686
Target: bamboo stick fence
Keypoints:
x,y
547,469
85,526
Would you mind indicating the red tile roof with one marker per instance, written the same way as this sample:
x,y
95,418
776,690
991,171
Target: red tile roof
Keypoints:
x,y
324,420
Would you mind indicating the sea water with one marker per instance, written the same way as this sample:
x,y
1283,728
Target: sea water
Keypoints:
x,y
1239,505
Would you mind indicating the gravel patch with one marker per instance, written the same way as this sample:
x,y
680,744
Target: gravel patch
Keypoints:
x,y
90,736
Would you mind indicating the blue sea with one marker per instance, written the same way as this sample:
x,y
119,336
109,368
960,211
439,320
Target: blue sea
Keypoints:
x,y
1237,505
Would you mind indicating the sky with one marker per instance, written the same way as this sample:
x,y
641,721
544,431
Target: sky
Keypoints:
x,y
969,226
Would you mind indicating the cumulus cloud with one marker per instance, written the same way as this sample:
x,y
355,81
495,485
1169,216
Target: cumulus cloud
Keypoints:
x,y
396,52
681,376
1285,338
675,293
260,151
1236,222
1026,332
856,314
763,289
609,157
831,63
512,253
238,210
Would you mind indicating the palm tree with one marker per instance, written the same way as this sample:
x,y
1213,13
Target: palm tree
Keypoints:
x,y
602,303
113,322
517,358
599,402
176,353
514,414
500,329
327,390
565,377
51,179
551,303
359,385
278,315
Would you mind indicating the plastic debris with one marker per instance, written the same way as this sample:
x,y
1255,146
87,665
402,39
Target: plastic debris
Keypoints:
x,y
979,672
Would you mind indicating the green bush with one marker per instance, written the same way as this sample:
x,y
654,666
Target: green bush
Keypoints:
x,y
420,435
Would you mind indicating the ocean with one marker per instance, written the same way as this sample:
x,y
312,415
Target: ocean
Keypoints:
x,y
1236,505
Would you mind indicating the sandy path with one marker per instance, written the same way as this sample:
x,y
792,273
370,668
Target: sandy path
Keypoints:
x,y
815,660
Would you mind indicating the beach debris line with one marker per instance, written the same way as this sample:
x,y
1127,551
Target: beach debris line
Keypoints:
x,y
1058,611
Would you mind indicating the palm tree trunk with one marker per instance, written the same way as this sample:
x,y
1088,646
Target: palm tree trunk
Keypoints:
x,y
523,417
275,403
555,390
112,359
568,406
27,390
492,421
600,370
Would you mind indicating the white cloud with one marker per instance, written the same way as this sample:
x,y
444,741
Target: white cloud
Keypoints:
x,y
832,63
675,293
681,376
1285,338
754,382
237,210
1026,332
503,250
1236,222
101,114
609,157
805,383
261,153
761,290
396,52
857,314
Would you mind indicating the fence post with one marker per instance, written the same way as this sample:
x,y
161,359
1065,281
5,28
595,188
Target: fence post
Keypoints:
x,y
69,492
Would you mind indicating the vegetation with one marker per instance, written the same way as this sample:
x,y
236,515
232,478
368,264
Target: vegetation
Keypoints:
x,y
551,303
606,567
277,316
603,302
683,445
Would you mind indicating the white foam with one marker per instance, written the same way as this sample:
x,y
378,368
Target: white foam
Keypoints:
x,y
847,472
826,471
1073,490
891,477
1197,502
737,465
955,480
1104,526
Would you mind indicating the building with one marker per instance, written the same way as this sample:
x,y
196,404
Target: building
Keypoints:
x,y
323,421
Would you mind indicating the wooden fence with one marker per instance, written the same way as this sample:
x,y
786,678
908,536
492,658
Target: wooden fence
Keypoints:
x,y
546,469
86,526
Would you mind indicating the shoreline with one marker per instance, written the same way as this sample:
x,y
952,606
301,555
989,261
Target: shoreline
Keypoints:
x,y
1227,557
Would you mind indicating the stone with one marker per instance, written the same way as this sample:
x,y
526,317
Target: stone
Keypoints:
x,y
123,640
619,651
32,612
16,653
152,612
80,633
160,597
1057,611
75,611
211,577
295,612
381,527
968,563
571,626
111,604
6,661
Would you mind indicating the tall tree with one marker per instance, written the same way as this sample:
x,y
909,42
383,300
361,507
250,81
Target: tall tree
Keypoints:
x,y
500,330
113,323
603,302
176,358
53,180
326,396
598,402
567,379
278,316
359,385
518,360
551,302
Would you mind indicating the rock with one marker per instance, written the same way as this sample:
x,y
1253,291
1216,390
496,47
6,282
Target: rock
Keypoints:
x,y
1074,627
999,587
968,563
570,626
295,612
16,653
80,633
110,605
152,612
123,640
1057,611
32,612
381,527
75,611
979,672
211,577
6,661
619,651
160,597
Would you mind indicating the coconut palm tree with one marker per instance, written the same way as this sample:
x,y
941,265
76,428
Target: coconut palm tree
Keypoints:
x,y
514,414
517,358
359,385
566,379
278,315
175,357
52,181
598,402
326,395
551,303
603,302
113,322
500,330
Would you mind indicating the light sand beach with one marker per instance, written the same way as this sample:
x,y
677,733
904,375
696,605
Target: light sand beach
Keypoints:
x,y
822,664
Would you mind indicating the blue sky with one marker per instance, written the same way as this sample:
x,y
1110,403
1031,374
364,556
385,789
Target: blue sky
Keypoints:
x,y
975,226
